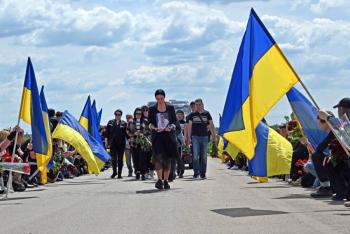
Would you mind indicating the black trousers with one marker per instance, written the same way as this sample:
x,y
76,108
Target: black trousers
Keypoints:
x,y
117,153
321,171
140,160
340,178
179,162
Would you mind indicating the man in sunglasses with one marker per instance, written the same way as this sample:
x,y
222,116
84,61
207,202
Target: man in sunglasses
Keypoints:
x,y
115,140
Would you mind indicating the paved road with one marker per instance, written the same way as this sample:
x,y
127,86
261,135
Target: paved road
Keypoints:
x,y
227,202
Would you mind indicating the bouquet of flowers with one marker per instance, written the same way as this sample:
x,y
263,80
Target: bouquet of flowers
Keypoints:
x,y
300,164
144,143
213,150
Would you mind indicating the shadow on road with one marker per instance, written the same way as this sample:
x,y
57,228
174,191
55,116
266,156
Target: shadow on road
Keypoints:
x,y
246,212
266,187
294,196
79,183
17,198
150,191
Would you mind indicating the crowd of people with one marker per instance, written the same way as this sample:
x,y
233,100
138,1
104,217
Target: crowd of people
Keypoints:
x,y
325,168
154,140
157,140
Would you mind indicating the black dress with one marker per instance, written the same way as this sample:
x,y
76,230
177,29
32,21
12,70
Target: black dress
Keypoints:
x,y
163,143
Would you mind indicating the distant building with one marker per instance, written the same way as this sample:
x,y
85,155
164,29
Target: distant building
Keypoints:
x,y
179,105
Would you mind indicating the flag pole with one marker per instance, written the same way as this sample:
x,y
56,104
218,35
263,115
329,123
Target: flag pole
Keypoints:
x,y
9,181
300,81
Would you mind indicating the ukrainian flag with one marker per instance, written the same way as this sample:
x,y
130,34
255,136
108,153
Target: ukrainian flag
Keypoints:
x,y
261,76
43,161
88,121
99,117
93,124
306,115
84,118
273,154
31,113
72,132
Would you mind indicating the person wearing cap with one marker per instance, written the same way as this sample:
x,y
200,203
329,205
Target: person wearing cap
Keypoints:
x,y
115,140
162,122
332,171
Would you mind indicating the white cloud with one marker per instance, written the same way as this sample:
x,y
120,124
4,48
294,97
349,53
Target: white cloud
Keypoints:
x,y
323,5
121,51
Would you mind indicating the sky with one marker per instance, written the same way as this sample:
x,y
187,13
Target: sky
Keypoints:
x,y
121,51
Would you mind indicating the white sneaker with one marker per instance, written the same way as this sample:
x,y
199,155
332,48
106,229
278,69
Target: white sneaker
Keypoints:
x,y
235,167
347,204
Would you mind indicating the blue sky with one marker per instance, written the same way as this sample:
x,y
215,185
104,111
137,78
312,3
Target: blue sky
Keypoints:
x,y
121,51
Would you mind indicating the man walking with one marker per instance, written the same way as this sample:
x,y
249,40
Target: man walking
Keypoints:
x,y
199,122
116,138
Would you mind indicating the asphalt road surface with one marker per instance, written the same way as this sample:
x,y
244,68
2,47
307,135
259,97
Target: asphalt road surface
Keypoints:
x,y
227,202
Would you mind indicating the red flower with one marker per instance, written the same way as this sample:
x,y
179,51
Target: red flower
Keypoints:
x,y
26,168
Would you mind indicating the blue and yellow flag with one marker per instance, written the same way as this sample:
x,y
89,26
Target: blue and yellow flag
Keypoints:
x,y
273,153
99,117
42,162
88,121
31,112
261,76
93,124
84,118
72,132
306,115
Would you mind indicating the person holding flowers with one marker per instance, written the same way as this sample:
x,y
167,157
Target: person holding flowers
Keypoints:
x,y
139,143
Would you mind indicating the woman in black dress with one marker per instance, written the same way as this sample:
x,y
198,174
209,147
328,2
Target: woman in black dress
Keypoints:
x,y
162,119
138,128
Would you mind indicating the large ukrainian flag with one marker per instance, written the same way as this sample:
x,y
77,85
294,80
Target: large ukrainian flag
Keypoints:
x,y
72,132
43,161
31,113
261,76
273,154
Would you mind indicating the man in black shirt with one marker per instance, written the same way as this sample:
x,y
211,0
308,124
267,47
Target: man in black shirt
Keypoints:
x,y
199,122
115,140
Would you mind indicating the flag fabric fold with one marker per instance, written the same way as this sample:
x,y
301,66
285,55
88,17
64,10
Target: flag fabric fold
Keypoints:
x,y
273,153
306,115
43,161
72,132
261,76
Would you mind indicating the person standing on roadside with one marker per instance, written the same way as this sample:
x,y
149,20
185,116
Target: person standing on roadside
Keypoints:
x,y
199,122
115,140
